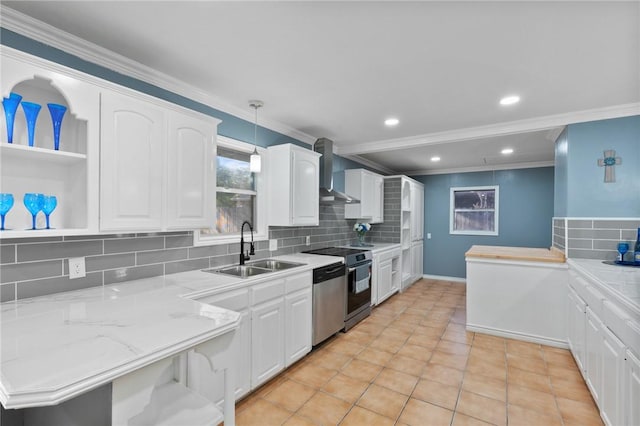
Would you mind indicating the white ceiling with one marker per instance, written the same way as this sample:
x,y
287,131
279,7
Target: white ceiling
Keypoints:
x,y
338,69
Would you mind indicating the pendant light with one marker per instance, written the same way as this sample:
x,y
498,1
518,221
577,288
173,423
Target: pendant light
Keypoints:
x,y
255,163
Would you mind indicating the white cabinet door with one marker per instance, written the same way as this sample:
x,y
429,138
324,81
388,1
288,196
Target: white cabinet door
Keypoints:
x,y
611,399
378,199
416,260
298,325
293,186
593,356
576,328
132,152
632,390
305,188
385,282
191,172
417,211
267,340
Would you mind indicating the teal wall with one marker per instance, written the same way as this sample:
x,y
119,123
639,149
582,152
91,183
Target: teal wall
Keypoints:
x,y
587,195
231,126
525,212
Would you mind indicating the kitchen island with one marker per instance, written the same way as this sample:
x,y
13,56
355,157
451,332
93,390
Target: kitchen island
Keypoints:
x,y
517,292
131,336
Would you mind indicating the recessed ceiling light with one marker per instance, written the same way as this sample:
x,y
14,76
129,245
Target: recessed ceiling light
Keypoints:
x,y
507,151
391,122
435,158
510,100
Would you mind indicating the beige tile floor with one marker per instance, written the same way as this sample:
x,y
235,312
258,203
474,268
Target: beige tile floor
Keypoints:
x,y
412,363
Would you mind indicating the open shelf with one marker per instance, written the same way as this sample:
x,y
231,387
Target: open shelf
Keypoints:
x,y
28,233
16,152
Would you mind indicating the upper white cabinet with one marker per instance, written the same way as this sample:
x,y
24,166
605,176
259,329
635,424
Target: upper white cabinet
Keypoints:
x,y
157,169
294,185
417,211
70,173
132,154
368,187
191,172
126,162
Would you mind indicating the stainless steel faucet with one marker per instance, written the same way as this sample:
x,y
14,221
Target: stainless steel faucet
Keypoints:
x,y
252,249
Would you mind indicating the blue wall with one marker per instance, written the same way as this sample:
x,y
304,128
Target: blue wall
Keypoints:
x,y
231,126
587,195
525,212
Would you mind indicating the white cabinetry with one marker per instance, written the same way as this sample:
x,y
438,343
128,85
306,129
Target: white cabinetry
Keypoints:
x,y
190,202
386,274
632,389
151,181
368,187
275,332
70,173
604,336
267,340
417,211
416,260
294,185
411,229
132,152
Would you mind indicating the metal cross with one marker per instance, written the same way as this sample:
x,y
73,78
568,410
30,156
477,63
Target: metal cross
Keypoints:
x,y
608,162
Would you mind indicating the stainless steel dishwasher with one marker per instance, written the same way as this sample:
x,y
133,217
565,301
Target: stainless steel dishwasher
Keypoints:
x,y
329,300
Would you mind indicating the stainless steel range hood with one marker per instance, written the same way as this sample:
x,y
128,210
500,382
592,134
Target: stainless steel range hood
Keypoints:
x,y
328,195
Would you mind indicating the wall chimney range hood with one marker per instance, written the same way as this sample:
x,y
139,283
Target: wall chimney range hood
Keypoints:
x,y
328,195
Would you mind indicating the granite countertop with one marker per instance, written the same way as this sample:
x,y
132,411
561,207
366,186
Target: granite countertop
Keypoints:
x,y
515,253
623,282
61,345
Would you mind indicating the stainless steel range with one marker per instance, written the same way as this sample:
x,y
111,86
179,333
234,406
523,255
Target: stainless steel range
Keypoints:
x,y
358,288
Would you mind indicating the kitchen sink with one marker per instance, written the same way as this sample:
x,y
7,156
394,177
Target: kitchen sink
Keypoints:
x,y
242,271
254,268
274,264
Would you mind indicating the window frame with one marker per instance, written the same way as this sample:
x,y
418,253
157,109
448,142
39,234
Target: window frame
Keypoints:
x,y
260,229
452,210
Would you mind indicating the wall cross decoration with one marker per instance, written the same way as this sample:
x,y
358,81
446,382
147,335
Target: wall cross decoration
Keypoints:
x,y
609,161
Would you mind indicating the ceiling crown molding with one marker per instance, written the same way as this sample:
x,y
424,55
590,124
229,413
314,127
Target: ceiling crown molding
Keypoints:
x,y
371,164
512,166
548,122
44,33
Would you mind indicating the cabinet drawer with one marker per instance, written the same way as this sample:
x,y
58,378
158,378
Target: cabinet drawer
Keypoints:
x,y
594,299
267,291
235,300
633,337
299,282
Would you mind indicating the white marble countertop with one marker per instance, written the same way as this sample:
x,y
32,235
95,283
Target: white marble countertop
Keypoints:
x,y
377,247
622,281
61,345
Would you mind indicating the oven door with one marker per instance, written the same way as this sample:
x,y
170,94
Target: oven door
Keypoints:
x,y
359,288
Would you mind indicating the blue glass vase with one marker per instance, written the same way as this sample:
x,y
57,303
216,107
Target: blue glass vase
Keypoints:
x,y
31,111
57,113
10,106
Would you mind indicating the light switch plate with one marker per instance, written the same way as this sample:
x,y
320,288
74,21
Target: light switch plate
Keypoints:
x,y
273,245
77,268
428,235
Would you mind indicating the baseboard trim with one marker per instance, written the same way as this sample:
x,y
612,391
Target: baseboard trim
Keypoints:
x,y
444,278
557,343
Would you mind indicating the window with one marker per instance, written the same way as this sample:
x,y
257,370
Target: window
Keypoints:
x,y
239,195
474,211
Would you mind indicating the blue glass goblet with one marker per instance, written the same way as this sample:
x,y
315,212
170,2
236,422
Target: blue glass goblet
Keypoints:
x,y
57,113
31,111
6,202
622,249
34,203
49,205
10,106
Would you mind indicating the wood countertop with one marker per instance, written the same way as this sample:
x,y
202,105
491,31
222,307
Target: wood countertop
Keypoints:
x,y
516,253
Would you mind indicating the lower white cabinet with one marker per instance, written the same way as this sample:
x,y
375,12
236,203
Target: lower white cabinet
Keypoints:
x,y
386,274
593,346
576,328
275,332
267,340
416,260
298,332
611,398
632,389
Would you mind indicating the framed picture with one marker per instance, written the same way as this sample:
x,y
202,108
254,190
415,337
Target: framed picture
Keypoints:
x,y
474,210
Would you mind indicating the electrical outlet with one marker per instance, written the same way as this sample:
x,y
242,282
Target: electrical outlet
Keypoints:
x,y
308,242
76,268
273,245
428,235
